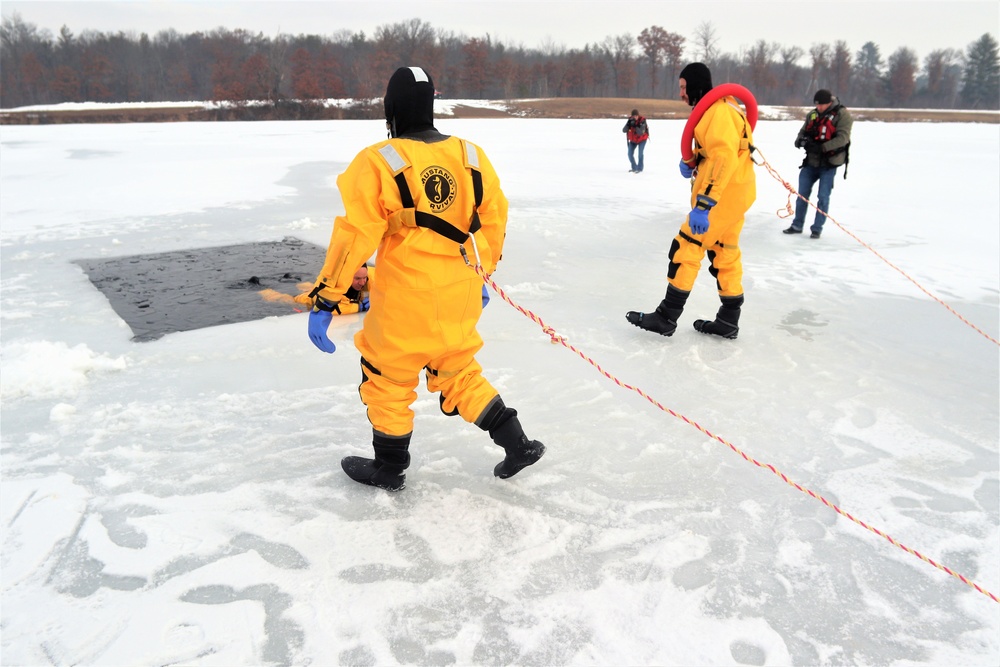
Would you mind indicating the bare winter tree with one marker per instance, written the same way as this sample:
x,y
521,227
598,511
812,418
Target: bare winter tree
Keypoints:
x,y
238,66
820,55
22,67
942,74
618,52
901,76
840,68
476,70
789,73
277,56
758,61
408,42
705,40
674,56
653,41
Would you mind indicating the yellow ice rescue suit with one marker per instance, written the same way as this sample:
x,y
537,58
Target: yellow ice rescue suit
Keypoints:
x,y
723,141
429,203
723,188
416,203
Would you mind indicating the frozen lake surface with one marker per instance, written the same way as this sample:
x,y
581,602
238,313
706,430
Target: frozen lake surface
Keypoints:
x,y
180,501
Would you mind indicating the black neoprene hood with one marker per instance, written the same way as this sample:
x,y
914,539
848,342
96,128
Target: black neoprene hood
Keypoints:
x,y
698,78
409,101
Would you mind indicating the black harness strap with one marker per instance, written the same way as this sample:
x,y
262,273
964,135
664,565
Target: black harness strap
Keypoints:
x,y
695,241
404,190
440,225
477,186
477,189
688,238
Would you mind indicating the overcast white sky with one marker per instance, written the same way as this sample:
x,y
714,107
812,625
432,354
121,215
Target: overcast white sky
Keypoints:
x,y
921,26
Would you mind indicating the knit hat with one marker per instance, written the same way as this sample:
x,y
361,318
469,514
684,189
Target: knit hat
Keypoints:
x,y
822,96
698,78
409,101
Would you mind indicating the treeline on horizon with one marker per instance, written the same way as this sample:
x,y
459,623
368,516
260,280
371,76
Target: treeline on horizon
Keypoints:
x,y
239,67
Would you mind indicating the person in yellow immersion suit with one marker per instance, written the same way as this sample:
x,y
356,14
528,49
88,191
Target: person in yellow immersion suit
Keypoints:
x,y
418,197
357,297
723,189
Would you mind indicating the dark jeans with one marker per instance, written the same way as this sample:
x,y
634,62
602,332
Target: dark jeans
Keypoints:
x,y
631,154
807,178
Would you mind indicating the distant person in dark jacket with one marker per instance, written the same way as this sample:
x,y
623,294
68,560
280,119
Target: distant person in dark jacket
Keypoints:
x,y
826,137
637,133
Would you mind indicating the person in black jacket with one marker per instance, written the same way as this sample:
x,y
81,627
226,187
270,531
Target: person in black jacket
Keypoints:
x,y
826,136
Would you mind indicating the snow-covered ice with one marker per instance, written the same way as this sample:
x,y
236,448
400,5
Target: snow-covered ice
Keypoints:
x,y
181,501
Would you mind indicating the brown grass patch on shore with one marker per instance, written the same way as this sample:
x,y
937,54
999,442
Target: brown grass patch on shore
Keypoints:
x,y
615,107
104,115
598,107
463,111
926,116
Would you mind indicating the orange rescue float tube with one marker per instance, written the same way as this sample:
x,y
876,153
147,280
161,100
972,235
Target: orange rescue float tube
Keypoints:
x,y
717,93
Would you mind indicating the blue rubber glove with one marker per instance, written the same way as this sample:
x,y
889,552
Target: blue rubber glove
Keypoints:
x,y
698,221
364,304
698,218
687,170
319,322
486,296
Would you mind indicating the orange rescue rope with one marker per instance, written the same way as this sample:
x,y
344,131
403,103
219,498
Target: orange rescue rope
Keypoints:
x,y
788,212
557,339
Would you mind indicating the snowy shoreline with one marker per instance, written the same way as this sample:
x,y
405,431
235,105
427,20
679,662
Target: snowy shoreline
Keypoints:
x,y
515,108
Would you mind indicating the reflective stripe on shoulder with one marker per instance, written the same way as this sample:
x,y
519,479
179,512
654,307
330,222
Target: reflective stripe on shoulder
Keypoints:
x,y
393,158
472,155
739,109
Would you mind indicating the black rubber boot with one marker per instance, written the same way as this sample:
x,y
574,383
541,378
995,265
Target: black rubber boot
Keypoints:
x,y
726,323
663,320
504,427
386,470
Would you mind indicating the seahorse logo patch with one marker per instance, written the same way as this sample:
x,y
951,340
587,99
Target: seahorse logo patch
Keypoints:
x,y
439,186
